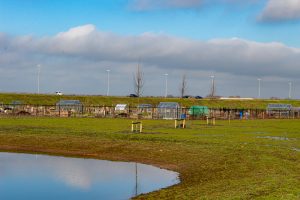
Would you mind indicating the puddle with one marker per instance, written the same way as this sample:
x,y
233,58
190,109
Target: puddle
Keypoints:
x,y
27,176
274,137
212,135
259,132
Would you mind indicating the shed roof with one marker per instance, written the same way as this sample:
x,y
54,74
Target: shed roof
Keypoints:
x,y
144,106
168,105
278,106
68,102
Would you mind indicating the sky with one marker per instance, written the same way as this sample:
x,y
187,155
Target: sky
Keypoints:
x,y
76,42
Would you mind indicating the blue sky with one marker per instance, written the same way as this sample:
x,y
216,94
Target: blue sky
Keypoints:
x,y
218,20
232,39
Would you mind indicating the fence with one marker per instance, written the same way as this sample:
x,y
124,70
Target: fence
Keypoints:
x,y
142,113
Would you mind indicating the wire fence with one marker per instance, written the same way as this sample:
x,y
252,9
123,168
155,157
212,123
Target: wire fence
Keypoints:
x,y
143,113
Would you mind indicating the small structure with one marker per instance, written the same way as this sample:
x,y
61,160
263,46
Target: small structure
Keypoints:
x,y
296,112
16,103
121,110
144,111
145,106
198,111
168,110
14,107
279,110
69,106
120,107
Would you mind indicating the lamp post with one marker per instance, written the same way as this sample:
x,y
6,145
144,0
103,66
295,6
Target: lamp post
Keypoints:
x,y
107,93
212,86
38,78
259,87
166,91
290,90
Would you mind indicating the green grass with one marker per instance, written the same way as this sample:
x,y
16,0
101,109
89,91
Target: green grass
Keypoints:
x,y
227,161
44,99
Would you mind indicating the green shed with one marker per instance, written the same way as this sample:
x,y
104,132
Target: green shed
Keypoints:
x,y
198,111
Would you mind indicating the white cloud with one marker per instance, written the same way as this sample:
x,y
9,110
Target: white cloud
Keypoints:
x,y
280,10
81,55
77,32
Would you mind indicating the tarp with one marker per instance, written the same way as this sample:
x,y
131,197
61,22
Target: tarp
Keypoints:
x,y
198,110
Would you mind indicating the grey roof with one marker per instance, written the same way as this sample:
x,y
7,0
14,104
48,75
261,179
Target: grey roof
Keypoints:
x,y
144,106
168,105
278,106
16,102
69,102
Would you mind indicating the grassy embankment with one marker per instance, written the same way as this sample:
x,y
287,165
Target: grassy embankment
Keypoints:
x,y
227,161
44,99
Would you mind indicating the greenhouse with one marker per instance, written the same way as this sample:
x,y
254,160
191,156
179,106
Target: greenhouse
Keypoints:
x,y
168,110
70,105
279,110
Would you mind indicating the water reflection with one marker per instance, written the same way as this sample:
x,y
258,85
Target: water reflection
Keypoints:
x,y
25,176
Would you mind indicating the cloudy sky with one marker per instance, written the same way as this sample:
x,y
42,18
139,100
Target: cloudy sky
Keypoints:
x,y
75,42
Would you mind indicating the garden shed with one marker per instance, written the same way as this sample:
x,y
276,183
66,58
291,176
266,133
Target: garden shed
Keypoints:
x,y
121,107
198,111
279,110
145,111
296,112
145,107
168,110
74,106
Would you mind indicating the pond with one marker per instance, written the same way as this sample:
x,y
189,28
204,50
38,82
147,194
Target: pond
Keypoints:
x,y
28,176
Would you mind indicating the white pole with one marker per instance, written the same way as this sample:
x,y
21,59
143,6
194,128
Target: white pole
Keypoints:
x,y
212,86
38,78
166,92
290,90
107,93
259,87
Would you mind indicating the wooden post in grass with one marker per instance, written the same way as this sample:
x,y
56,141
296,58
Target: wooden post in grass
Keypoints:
x,y
180,123
211,121
136,127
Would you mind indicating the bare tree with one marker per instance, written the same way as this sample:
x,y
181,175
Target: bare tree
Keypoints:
x,y
138,81
213,88
183,86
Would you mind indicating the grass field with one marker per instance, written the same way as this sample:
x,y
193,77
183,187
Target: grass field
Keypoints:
x,y
44,99
255,159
